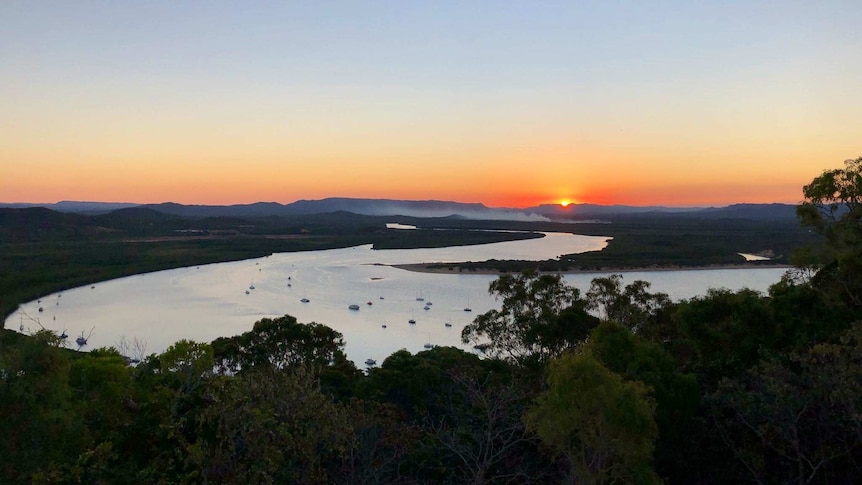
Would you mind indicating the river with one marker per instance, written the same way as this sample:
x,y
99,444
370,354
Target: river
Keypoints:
x,y
205,302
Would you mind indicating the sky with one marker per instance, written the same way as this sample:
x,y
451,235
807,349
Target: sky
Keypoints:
x,y
511,104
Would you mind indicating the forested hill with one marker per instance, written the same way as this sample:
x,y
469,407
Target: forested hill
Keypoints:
x,y
433,209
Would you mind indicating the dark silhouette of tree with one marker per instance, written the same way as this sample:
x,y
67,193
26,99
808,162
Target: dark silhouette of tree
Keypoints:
x,y
540,318
833,208
281,342
632,307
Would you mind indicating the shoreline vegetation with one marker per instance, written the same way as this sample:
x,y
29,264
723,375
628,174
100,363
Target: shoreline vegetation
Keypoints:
x,y
461,268
43,251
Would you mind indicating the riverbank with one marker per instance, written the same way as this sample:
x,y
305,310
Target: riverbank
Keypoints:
x,y
450,268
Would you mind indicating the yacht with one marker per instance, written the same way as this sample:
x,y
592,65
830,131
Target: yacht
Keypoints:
x,y
370,362
305,300
354,307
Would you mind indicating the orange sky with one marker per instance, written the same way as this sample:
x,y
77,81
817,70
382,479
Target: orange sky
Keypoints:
x,y
514,106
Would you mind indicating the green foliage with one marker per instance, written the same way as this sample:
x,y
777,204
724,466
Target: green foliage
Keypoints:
x,y
632,307
797,420
727,332
540,317
602,424
415,383
833,208
269,425
280,343
40,426
676,394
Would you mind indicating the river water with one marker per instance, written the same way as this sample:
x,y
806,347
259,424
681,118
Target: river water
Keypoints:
x,y
205,302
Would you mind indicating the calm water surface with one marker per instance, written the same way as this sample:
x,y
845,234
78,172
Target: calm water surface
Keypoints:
x,y
206,302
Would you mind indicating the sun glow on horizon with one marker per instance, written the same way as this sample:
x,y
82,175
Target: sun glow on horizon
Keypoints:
x,y
565,202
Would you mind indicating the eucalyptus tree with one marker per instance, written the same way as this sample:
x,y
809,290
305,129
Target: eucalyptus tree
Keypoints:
x,y
833,208
600,423
540,317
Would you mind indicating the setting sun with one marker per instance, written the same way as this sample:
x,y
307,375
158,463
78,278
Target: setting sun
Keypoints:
x,y
565,202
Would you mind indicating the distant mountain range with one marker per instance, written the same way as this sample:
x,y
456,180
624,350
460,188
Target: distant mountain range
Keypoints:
x,y
427,208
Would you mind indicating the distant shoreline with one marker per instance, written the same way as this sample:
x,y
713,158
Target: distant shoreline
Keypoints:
x,y
460,270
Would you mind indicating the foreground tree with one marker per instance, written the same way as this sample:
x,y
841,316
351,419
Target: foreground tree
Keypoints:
x,y
797,420
540,318
632,307
833,208
269,426
281,342
601,424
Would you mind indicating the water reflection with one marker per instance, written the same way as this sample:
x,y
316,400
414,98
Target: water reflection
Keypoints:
x,y
210,301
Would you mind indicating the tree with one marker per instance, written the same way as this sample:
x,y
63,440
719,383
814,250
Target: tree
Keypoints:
x,y
631,307
725,333
833,208
602,424
540,317
280,343
797,420
37,411
269,425
677,395
481,425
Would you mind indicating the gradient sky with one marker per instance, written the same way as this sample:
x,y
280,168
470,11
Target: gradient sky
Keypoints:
x,y
505,103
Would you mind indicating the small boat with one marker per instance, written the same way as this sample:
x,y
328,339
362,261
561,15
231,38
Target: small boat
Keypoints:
x,y
428,303
468,309
41,309
428,345
369,303
92,287
411,322
354,307
381,297
64,335
305,300
370,362
427,307
247,292
383,326
82,340
288,285
251,287
448,324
